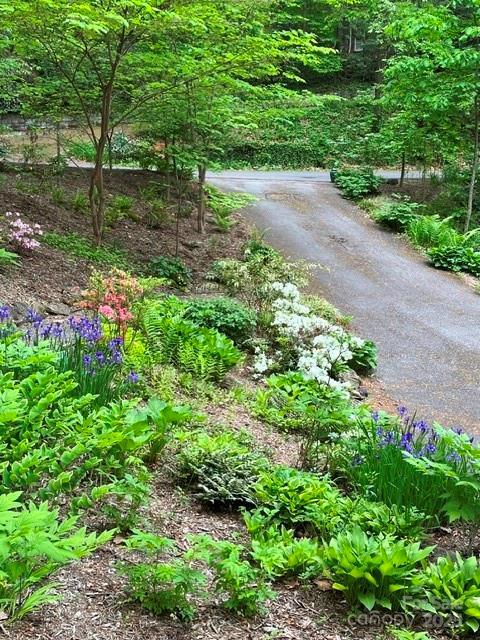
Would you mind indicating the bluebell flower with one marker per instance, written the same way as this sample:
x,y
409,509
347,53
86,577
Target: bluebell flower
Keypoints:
x,y
87,360
402,412
100,358
375,416
133,377
453,456
5,313
115,344
421,425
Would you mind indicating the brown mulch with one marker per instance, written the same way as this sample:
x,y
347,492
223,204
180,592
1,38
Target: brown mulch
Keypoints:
x,y
50,275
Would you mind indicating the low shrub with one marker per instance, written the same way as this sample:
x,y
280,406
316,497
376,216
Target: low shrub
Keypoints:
x,y
172,269
221,469
119,208
312,506
226,315
8,258
222,205
396,214
357,183
364,356
375,571
24,237
456,258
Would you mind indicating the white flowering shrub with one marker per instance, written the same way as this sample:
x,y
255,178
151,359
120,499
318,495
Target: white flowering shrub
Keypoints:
x,y
305,342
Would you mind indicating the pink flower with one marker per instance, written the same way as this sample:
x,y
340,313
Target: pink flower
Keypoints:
x,y
106,311
124,315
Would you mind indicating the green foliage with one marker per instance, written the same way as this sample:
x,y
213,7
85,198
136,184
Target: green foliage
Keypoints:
x,y
220,469
364,360
203,352
404,634
161,587
292,402
357,183
375,572
430,231
81,150
172,269
244,585
226,315
35,542
396,214
222,205
82,247
80,202
59,197
119,208
248,279
8,258
456,258
313,506
454,582
324,309
281,555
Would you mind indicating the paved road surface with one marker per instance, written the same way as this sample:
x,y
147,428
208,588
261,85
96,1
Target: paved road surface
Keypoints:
x,y
425,322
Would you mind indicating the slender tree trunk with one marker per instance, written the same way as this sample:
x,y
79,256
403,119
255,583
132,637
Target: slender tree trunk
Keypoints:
x,y
97,189
202,172
59,150
475,164
167,170
402,173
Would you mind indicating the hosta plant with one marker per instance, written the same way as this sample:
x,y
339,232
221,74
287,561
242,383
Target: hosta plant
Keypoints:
x,y
453,587
375,571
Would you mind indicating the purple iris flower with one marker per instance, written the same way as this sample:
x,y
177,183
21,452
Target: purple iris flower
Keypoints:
x,y
34,318
133,377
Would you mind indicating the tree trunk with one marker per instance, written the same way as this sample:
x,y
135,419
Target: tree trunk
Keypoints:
x,y
402,173
475,164
202,172
97,190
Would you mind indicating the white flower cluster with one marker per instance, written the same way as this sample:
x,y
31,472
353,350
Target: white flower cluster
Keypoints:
x,y
319,345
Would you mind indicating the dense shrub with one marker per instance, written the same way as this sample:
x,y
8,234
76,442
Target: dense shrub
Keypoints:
x,y
226,315
456,258
357,183
396,214
172,269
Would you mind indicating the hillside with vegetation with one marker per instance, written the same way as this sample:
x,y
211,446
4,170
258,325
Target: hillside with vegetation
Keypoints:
x,y
188,448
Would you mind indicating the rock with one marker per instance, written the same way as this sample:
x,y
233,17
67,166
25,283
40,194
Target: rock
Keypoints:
x,y
20,310
57,309
192,245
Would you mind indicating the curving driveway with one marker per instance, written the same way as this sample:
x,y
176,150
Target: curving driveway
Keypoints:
x,y
425,322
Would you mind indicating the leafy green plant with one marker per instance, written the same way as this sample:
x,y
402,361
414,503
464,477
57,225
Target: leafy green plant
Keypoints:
x,y
280,554
80,202
244,585
203,352
35,542
8,258
119,208
454,582
226,315
431,231
405,634
292,402
161,587
357,183
313,506
59,196
221,468
364,357
172,269
456,258
397,213
82,150
81,247
222,205
375,571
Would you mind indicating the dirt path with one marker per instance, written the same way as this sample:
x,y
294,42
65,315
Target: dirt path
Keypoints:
x,y
425,322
